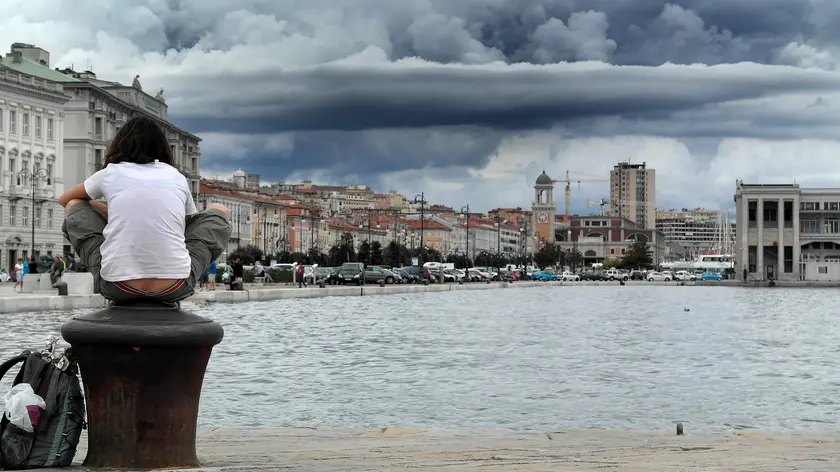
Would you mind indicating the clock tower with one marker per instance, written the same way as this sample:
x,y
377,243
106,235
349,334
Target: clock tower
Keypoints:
x,y
544,208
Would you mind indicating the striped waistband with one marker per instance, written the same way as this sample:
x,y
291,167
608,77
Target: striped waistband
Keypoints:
x,y
161,293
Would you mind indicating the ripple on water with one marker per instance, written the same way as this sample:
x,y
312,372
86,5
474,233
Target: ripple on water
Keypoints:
x,y
546,358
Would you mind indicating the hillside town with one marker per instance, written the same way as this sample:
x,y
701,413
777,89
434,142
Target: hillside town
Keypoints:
x,y
56,124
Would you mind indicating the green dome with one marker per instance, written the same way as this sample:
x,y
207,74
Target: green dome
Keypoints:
x,y
544,179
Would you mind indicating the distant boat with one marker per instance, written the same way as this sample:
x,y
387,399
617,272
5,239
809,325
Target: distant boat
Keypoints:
x,y
714,261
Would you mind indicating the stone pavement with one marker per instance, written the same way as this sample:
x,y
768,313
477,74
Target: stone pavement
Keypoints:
x,y
404,449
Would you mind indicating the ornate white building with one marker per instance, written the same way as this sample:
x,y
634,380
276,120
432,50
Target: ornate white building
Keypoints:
x,y
31,155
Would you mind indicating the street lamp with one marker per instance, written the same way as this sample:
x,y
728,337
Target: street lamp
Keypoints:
x,y
34,176
421,199
239,213
466,211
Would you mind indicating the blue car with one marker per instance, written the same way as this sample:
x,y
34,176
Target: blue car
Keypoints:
x,y
544,275
712,276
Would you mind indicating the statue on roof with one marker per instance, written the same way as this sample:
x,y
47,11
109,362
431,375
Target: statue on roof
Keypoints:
x,y
136,82
159,95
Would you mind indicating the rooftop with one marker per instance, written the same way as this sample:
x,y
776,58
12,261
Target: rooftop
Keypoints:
x,y
25,66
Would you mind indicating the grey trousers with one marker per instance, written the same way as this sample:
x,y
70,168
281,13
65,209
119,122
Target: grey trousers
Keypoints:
x,y
206,234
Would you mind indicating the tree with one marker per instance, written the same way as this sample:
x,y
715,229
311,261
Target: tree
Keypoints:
x,y
574,259
342,252
364,252
433,255
461,261
247,254
638,256
392,253
376,256
549,255
315,256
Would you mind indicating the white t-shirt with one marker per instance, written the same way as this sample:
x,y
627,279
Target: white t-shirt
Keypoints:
x,y
147,209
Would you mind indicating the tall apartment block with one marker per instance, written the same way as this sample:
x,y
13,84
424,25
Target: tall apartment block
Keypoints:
x,y
633,193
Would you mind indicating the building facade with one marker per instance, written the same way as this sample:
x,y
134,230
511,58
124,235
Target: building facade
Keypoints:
x,y
688,232
633,193
785,232
602,239
31,157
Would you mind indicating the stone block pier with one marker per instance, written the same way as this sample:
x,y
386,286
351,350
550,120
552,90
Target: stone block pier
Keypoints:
x,y
404,449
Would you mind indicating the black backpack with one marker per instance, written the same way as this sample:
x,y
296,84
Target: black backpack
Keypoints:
x,y
54,441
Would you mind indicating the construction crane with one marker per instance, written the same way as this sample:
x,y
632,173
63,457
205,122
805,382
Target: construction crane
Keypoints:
x,y
604,202
568,181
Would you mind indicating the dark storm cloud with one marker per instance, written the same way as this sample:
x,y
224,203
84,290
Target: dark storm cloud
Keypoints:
x,y
256,67
382,150
404,96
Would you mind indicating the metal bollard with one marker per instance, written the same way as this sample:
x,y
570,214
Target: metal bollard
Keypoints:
x,y
142,367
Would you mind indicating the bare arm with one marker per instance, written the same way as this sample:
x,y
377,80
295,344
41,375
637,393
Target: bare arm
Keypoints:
x,y
77,192
100,207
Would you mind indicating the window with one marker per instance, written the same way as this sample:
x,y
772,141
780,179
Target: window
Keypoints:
x,y
810,206
12,122
25,124
832,225
97,126
49,170
39,215
38,127
809,226
50,129
1,120
49,218
823,269
24,216
97,160
12,211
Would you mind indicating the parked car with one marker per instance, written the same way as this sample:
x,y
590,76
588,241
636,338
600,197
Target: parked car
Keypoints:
x,y
407,278
349,272
637,275
684,276
474,275
544,275
654,276
569,277
615,274
712,276
420,272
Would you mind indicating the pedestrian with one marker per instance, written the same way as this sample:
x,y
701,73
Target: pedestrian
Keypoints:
x,y
301,274
211,275
18,275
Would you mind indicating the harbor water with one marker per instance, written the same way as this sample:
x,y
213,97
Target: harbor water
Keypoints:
x,y
629,357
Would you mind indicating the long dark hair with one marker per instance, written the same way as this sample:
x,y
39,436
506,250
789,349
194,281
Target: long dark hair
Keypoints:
x,y
140,141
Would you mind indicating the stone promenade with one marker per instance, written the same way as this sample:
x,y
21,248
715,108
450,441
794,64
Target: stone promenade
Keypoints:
x,y
402,449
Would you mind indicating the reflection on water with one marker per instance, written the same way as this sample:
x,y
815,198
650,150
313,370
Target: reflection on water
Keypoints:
x,y
545,358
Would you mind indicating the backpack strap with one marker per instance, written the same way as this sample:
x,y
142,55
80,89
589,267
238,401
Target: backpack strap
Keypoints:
x,y
7,366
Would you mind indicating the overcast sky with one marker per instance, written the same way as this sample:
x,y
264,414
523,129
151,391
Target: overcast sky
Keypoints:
x,y
469,100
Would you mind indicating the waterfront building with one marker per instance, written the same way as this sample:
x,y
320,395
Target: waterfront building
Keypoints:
x,y
32,97
607,238
690,232
633,193
241,209
785,232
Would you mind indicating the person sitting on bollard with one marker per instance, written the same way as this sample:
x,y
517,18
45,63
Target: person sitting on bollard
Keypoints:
x,y
148,240
57,270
